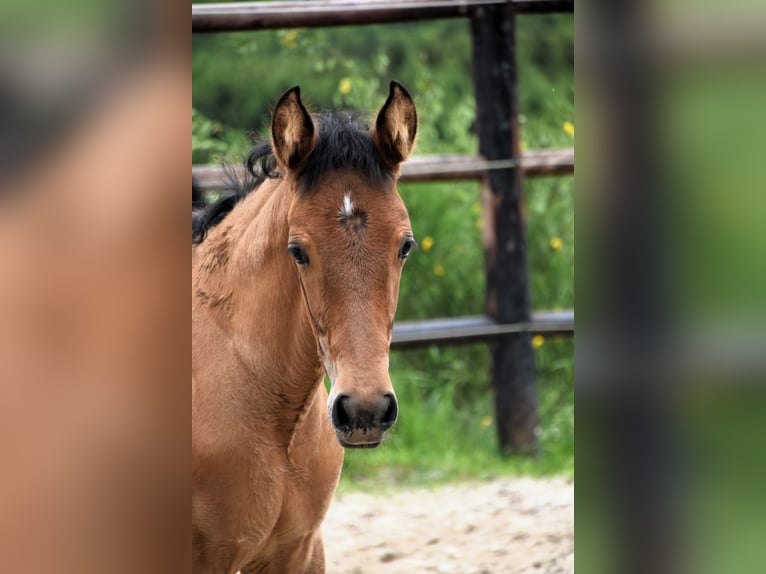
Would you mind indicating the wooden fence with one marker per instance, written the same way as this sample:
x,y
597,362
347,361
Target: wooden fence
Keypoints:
x,y
500,165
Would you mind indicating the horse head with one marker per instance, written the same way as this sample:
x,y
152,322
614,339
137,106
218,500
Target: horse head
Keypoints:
x,y
349,237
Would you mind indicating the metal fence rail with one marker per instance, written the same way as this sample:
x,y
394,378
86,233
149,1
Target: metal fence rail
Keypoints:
x,y
464,330
227,17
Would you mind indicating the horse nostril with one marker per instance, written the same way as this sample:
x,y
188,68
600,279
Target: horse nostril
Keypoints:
x,y
392,411
341,419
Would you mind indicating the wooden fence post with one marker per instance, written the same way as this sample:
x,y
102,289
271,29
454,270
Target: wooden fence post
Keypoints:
x,y
508,300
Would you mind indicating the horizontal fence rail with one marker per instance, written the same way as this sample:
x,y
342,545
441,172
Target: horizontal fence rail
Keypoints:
x,y
439,168
464,330
223,17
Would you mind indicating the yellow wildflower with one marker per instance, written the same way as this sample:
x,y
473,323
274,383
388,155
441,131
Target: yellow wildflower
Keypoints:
x,y
439,270
289,40
427,243
538,341
345,86
485,422
569,128
556,243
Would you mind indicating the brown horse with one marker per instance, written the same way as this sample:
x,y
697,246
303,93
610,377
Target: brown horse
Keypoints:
x,y
295,280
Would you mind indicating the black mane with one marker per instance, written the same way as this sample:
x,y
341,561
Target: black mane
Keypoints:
x,y
343,141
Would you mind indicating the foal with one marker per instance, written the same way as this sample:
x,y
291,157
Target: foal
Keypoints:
x,y
300,279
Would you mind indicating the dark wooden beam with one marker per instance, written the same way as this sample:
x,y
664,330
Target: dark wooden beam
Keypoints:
x,y
223,17
441,168
505,246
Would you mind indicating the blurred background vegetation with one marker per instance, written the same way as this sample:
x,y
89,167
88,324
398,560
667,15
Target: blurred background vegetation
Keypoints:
x,y
446,428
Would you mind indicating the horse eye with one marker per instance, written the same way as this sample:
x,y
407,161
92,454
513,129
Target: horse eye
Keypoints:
x,y
298,254
406,247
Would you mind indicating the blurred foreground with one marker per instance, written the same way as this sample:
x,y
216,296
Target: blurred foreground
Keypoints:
x,y
94,328
671,281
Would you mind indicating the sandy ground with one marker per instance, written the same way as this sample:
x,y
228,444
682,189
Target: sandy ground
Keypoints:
x,y
510,525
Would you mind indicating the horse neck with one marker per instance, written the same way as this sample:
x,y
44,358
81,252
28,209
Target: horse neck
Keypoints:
x,y
252,333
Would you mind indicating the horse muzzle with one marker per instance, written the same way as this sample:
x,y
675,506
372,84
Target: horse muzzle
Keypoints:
x,y
361,424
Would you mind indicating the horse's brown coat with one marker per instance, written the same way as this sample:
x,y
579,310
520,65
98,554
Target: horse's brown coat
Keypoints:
x,y
265,458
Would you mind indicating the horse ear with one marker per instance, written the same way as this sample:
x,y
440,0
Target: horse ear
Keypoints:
x,y
292,131
396,127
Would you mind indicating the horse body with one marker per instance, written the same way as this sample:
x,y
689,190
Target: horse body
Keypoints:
x,y
249,446
299,280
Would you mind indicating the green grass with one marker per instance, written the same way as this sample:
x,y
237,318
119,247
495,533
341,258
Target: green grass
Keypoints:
x,y
446,428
